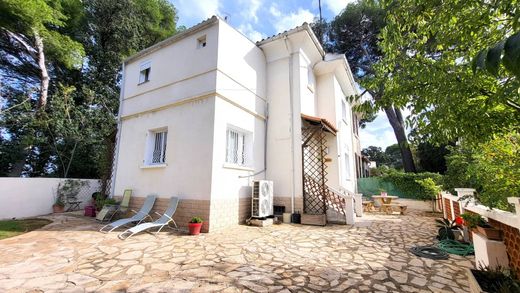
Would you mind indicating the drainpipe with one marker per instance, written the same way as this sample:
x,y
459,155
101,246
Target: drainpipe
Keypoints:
x,y
291,101
118,135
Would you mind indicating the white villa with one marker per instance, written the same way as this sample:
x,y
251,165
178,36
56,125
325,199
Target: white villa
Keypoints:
x,y
207,111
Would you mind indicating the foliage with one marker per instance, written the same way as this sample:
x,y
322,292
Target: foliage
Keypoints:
x,y
375,154
196,220
472,220
415,185
492,168
85,44
498,279
11,228
427,51
68,189
459,168
355,33
391,157
496,167
431,158
506,52
445,229
423,186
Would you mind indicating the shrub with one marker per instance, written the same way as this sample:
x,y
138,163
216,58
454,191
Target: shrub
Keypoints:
x,y
415,185
497,169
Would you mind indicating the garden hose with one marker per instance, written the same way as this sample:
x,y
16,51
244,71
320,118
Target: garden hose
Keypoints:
x,y
455,247
429,252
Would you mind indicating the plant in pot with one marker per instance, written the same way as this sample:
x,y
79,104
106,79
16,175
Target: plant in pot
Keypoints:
x,y
383,192
194,225
447,229
59,205
499,279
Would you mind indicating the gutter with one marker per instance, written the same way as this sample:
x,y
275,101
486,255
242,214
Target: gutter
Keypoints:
x,y
118,135
291,102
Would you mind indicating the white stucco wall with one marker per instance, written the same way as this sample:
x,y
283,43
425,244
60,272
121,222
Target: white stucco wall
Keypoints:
x,y
241,105
187,173
30,197
178,71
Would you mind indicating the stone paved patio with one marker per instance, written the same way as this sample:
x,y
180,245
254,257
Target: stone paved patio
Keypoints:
x,y
372,256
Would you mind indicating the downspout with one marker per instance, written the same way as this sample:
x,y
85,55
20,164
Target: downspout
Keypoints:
x,y
118,138
291,101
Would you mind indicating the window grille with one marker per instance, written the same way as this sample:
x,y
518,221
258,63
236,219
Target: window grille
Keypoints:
x,y
235,150
159,147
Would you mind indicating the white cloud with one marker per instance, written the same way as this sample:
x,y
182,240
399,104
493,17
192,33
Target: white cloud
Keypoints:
x,y
274,10
250,9
248,30
196,11
283,22
335,6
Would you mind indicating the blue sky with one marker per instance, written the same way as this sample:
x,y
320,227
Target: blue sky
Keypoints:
x,y
258,19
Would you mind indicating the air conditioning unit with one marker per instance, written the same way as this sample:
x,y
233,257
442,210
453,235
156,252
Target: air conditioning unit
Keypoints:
x,y
262,199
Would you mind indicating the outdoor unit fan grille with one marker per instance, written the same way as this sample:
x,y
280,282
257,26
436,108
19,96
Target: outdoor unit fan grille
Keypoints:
x,y
262,199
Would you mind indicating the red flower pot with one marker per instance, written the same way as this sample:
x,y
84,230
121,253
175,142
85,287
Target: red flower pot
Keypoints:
x,y
194,228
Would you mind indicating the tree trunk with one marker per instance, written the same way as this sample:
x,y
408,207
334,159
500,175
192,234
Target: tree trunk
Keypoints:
x,y
396,120
44,74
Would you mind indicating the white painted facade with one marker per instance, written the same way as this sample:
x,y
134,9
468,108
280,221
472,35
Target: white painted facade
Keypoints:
x,y
197,92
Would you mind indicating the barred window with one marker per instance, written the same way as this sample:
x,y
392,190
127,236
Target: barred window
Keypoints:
x,y
236,147
159,148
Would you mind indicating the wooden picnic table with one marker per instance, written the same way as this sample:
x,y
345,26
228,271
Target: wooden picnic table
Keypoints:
x,y
386,203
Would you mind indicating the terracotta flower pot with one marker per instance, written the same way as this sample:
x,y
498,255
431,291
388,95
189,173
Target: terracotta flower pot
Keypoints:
x,y
490,232
58,209
194,228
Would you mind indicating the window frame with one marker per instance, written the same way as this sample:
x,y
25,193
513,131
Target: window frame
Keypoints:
x,y
151,147
246,148
145,69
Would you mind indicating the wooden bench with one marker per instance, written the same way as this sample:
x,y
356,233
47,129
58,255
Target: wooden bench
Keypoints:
x,y
389,208
368,206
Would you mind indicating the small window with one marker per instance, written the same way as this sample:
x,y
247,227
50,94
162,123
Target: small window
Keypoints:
x,y
236,147
201,42
346,166
156,147
144,72
344,111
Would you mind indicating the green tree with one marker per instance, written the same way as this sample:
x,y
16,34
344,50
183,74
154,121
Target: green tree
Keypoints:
x,y
428,48
355,33
376,154
73,135
31,35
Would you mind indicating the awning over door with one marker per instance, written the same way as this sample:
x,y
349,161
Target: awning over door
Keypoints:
x,y
325,124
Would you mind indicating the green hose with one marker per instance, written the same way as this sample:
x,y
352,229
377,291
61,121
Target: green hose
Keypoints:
x,y
455,247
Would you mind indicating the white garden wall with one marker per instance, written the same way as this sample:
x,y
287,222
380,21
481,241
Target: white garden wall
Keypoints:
x,y
29,197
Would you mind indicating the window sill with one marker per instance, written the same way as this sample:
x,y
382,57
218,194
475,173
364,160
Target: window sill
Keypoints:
x,y
154,166
237,167
143,82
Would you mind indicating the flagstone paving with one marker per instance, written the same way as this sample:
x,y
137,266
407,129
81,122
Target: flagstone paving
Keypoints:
x,y
371,256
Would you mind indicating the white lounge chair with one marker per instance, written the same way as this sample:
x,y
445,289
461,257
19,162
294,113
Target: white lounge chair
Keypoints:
x,y
163,221
140,216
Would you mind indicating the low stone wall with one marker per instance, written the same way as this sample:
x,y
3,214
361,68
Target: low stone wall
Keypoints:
x,y
508,222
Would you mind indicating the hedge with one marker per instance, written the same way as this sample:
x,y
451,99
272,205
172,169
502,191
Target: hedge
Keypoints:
x,y
407,185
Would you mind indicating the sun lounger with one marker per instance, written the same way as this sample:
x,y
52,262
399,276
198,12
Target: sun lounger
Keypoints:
x,y
140,216
108,211
160,223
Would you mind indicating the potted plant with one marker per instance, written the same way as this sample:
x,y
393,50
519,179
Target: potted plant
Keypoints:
x,y
476,223
447,229
59,205
383,192
194,225
489,231
485,279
